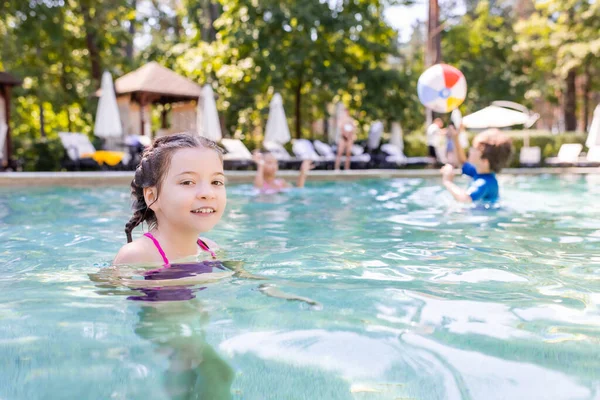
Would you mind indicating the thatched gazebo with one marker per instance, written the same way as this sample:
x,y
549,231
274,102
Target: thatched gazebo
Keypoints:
x,y
153,84
7,81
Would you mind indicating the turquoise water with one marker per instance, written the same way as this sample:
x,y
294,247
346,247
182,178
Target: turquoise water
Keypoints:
x,y
390,291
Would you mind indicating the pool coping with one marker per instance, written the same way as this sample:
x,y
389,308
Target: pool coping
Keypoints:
x,y
106,178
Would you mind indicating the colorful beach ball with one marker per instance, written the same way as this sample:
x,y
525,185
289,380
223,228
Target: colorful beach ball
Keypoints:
x,y
442,88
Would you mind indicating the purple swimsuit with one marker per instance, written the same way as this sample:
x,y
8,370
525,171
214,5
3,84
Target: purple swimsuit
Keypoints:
x,y
175,271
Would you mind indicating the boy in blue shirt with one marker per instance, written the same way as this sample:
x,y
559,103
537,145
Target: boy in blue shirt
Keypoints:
x,y
490,152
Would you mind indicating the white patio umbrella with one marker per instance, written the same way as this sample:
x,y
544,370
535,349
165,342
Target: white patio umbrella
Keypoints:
x,y
593,138
396,138
498,117
108,120
207,122
277,129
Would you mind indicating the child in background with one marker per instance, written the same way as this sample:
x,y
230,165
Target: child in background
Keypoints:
x,y
266,173
490,152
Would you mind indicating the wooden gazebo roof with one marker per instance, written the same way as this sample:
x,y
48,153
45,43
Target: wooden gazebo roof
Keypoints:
x,y
9,80
158,84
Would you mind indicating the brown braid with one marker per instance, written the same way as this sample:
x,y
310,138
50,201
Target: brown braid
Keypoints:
x,y
152,169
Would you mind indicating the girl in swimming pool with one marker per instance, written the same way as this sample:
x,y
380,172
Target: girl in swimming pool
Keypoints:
x,y
266,179
179,190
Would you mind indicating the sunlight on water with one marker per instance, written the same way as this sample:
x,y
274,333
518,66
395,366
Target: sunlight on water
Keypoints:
x,y
378,289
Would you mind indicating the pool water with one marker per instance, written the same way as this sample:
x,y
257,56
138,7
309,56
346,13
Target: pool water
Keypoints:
x,y
375,289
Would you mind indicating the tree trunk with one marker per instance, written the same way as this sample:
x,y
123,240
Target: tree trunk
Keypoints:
x,y
299,109
42,125
587,88
129,47
434,44
214,14
90,39
570,109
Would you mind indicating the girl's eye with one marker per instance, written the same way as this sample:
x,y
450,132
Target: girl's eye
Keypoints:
x,y
218,183
187,183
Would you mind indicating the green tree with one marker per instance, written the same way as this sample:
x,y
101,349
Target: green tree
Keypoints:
x,y
562,39
481,46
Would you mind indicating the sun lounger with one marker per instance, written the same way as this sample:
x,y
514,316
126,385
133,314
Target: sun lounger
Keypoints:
x,y
568,155
81,154
237,155
530,156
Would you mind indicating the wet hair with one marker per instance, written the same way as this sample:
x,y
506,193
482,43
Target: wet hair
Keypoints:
x,y
151,171
495,147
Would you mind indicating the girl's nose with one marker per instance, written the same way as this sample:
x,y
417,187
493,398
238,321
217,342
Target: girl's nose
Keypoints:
x,y
205,191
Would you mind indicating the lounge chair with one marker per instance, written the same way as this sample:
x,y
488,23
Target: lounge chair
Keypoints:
x,y
237,155
568,155
530,156
394,157
81,154
283,157
359,158
592,158
304,150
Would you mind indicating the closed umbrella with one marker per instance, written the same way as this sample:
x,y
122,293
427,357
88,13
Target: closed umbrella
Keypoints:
x,y
208,123
108,120
334,134
593,138
396,138
277,129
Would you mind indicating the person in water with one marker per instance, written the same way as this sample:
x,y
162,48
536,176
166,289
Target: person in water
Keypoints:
x,y
266,179
490,152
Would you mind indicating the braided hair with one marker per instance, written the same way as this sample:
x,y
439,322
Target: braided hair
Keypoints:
x,y
151,170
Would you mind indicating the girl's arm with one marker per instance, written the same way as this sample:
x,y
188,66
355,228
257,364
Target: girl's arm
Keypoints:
x,y
259,177
460,152
458,193
306,166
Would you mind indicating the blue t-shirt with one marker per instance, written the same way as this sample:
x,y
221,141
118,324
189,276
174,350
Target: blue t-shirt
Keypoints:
x,y
484,186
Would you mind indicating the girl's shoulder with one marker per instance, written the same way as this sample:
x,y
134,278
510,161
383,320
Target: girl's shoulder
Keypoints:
x,y
140,251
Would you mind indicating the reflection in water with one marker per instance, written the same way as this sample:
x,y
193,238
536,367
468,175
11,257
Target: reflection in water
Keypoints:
x,y
194,370
172,319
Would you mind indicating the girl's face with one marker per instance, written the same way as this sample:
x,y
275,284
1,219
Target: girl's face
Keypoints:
x,y
192,195
271,165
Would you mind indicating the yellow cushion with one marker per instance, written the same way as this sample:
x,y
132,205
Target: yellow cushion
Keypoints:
x,y
111,158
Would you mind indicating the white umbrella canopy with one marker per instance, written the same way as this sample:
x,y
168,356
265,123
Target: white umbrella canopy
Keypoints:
x,y
207,122
593,138
108,120
497,117
277,129
396,138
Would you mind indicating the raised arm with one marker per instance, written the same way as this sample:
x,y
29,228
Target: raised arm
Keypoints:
x,y
259,179
460,152
306,166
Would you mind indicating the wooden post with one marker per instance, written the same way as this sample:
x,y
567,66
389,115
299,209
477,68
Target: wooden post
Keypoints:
x,y
142,104
8,144
163,117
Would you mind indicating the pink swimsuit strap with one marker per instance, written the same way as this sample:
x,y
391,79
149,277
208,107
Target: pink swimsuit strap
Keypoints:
x,y
202,245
